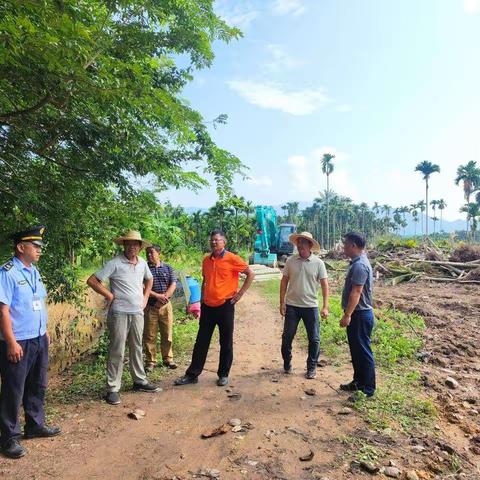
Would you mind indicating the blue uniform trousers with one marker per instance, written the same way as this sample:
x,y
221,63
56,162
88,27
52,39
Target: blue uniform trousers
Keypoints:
x,y
310,318
359,332
23,382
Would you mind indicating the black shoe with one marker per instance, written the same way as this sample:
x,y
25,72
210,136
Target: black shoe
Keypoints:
x,y
12,449
146,387
288,370
185,380
222,381
113,398
311,374
42,432
170,365
349,387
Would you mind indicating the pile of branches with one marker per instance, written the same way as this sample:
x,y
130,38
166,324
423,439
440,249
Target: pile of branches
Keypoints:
x,y
427,262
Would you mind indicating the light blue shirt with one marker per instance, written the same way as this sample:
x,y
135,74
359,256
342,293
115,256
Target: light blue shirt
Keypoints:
x,y
20,286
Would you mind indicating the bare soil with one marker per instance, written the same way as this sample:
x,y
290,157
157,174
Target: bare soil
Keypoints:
x,y
283,423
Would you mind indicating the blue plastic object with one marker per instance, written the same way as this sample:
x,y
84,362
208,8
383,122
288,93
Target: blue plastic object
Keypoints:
x,y
194,288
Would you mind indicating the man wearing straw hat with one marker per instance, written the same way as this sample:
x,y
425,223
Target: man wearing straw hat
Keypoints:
x,y
302,275
130,285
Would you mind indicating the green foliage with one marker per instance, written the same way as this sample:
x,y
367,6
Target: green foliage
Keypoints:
x,y
86,379
389,244
395,340
90,106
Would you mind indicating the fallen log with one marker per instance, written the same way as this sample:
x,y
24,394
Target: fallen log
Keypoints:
x,y
454,280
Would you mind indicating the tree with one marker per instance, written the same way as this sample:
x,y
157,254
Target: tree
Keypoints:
x,y
441,206
91,102
327,169
427,168
421,207
472,210
469,175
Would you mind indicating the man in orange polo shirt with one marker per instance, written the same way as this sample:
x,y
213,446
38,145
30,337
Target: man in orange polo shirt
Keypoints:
x,y
220,270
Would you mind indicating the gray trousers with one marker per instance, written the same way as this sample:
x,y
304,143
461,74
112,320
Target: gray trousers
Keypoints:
x,y
123,327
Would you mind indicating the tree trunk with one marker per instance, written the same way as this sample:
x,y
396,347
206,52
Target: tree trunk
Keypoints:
x,y
426,207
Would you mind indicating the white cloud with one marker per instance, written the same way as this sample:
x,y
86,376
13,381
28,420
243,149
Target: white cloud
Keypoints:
x,y
471,6
344,108
262,181
285,7
281,60
306,179
275,97
240,15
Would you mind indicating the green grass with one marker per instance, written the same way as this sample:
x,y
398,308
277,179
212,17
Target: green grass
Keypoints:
x,y
395,340
86,378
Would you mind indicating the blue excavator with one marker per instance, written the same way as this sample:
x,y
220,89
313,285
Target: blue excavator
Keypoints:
x,y
271,243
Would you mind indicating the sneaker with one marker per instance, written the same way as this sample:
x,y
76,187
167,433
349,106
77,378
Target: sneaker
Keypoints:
x,y
12,449
113,398
171,365
288,369
222,381
42,432
311,374
349,387
146,387
185,380
149,367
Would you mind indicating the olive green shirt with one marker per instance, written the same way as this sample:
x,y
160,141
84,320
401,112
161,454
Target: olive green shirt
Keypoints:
x,y
304,277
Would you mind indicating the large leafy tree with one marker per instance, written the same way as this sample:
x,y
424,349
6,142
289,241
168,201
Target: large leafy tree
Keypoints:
x,y
91,102
427,168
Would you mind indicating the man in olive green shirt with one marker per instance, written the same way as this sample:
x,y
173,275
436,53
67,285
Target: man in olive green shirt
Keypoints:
x,y
303,274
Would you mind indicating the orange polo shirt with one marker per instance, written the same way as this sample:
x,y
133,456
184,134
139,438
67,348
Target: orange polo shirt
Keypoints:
x,y
220,277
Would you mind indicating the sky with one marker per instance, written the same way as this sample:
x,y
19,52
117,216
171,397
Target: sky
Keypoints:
x,y
381,84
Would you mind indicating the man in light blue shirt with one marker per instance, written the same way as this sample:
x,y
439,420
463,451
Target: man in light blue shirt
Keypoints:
x,y
23,344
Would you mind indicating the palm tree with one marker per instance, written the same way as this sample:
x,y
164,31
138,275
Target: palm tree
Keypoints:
x,y
441,206
469,174
473,213
434,204
421,207
327,169
414,218
427,168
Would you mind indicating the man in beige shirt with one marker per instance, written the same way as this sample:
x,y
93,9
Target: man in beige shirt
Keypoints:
x,y
302,275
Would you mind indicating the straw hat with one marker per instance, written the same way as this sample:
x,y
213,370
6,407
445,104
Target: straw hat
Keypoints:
x,y
132,235
293,238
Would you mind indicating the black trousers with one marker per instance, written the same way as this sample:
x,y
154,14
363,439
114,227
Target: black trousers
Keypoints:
x,y
222,316
23,382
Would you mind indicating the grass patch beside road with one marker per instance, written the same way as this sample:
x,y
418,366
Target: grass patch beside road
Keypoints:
x,y
85,380
397,337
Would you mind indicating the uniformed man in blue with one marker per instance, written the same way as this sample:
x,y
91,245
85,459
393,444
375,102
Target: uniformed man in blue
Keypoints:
x,y
23,344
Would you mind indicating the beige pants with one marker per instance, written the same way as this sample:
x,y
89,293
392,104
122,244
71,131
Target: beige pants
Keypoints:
x,y
156,319
124,328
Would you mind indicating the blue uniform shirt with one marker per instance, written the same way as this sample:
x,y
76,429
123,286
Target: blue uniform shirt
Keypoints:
x,y
19,288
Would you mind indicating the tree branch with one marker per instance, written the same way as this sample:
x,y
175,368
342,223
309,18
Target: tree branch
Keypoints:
x,y
18,113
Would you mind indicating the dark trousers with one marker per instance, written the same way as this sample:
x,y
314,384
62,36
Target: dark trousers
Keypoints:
x,y
310,318
222,316
23,382
359,332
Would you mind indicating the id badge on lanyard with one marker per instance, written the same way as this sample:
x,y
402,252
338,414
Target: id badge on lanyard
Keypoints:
x,y
36,300
36,303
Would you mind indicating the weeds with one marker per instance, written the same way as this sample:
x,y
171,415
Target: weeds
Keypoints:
x,y
395,340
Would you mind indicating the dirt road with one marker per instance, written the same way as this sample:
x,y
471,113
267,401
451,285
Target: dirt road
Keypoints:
x,y
100,441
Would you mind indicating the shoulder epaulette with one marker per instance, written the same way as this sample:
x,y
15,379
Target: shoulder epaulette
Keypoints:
x,y
7,266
